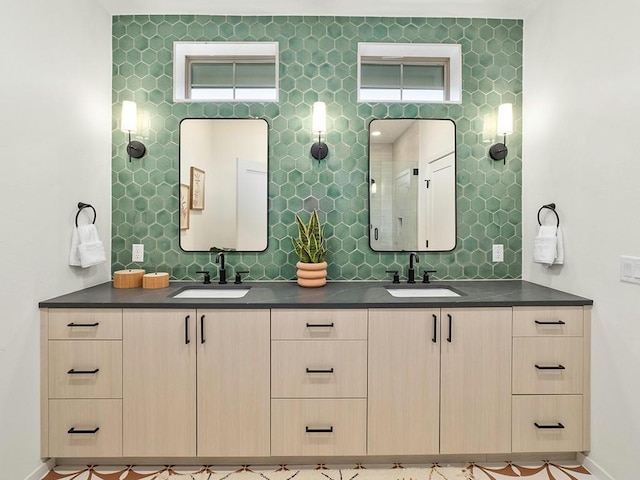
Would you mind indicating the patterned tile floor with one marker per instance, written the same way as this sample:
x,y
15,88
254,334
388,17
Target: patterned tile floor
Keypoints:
x,y
505,471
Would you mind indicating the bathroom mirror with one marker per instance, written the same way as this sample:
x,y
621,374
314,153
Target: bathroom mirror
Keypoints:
x,y
412,185
223,184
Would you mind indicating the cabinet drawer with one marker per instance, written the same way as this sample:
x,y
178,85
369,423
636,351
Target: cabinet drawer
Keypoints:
x,y
318,427
90,369
302,324
547,365
84,324
558,419
319,369
548,321
84,417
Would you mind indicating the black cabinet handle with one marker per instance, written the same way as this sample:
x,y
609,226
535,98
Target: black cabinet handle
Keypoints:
x,y
320,370
558,322
557,425
83,372
450,328
73,430
72,324
187,340
202,340
318,430
435,329
319,325
550,367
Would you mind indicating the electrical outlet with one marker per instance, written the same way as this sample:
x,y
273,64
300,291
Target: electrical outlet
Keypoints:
x,y
137,252
498,253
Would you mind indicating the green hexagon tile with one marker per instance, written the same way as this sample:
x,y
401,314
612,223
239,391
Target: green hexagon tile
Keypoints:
x,y
318,58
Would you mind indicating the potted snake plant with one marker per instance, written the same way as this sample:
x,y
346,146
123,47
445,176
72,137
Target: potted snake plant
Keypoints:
x,y
311,250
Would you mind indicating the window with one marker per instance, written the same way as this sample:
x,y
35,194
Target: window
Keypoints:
x,y
409,72
225,71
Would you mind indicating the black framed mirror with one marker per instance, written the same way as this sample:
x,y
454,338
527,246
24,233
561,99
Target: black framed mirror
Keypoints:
x,y
412,185
223,184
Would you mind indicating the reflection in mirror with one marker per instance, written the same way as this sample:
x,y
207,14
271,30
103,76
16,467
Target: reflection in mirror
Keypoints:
x,y
223,184
412,194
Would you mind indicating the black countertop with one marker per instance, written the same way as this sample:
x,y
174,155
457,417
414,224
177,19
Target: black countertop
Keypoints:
x,y
473,293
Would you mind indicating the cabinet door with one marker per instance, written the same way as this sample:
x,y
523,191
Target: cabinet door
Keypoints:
x,y
233,383
476,381
159,383
404,366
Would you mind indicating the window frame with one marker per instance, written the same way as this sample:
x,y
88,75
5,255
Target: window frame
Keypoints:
x,y
186,53
449,55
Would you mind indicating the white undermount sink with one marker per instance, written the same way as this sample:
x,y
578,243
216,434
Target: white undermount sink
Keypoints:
x,y
426,292
212,293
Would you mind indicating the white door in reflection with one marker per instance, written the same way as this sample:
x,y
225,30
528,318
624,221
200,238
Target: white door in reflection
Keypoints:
x,y
251,204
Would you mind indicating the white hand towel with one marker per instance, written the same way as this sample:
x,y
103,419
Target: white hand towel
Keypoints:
x,y
74,254
545,245
559,248
91,249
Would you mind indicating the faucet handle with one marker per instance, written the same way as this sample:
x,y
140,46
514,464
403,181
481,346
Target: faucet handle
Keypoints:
x,y
425,275
396,275
238,279
207,277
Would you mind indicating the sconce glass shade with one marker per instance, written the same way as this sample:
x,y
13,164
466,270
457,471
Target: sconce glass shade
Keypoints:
x,y
504,127
319,150
374,187
319,122
505,119
129,122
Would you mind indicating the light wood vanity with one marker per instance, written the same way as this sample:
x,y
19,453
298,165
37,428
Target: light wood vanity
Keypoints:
x,y
266,382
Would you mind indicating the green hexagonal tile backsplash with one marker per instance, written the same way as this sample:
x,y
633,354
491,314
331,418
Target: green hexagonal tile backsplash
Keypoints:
x,y
318,58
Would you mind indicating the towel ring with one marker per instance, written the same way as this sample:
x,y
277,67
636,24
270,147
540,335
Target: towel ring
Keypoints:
x,y
82,206
552,207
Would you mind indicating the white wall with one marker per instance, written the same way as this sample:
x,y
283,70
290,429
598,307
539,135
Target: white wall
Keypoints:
x,y
55,150
581,123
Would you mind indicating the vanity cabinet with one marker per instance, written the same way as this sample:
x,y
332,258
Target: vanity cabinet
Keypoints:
x,y
314,383
551,351
439,381
81,383
196,383
318,382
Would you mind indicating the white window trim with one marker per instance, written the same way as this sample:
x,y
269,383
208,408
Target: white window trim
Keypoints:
x,y
183,50
452,51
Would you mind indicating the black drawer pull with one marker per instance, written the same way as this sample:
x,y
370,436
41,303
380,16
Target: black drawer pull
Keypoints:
x,y
557,425
72,324
558,322
449,338
319,325
551,367
202,340
83,372
434,339
187,340
318,430
73,430
319,370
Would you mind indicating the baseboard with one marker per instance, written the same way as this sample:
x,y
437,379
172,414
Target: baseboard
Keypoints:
x,y
42,470
596,470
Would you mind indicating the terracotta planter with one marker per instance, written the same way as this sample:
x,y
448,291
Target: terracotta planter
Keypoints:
x,y
312,274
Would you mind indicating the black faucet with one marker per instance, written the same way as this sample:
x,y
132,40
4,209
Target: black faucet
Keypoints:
x,y
207,277
411,274
222,271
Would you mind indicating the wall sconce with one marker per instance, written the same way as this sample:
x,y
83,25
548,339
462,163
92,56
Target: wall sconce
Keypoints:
x,y
319,150
498,151
374,187
129,124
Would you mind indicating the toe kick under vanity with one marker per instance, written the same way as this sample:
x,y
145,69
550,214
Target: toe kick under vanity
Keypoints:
x,y
346,371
